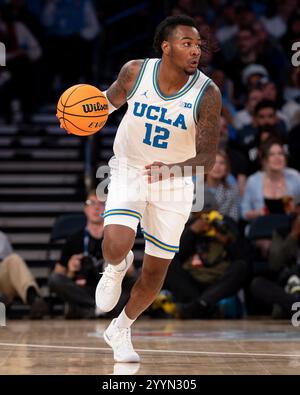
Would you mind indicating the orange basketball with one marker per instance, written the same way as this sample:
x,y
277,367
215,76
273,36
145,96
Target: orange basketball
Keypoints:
x,y
82,110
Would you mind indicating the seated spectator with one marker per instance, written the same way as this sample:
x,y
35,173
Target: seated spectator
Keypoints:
x,y
252,75
16,280
22,55
264,133
275,183
264,117
244,117
207,267
244,57
76,275
226,195
281,287
242,18
271,92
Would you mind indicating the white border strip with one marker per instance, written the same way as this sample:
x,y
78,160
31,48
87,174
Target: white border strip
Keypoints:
x,y
191,352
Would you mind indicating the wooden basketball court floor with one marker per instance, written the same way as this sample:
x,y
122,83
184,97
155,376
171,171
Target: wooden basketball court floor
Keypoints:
x,y
262,347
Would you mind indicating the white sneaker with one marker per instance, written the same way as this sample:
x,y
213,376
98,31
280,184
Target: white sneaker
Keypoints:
x,y
109,287
119,339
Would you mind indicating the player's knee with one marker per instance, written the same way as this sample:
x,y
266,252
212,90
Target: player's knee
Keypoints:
x,y
114,251
117,242
12,260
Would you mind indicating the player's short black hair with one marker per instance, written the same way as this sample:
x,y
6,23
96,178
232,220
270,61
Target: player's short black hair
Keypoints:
x,y
165,27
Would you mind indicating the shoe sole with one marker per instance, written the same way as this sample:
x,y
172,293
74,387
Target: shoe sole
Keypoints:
x,y
118,360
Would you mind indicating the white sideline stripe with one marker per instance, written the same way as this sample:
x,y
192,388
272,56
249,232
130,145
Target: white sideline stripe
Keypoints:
x,y
250,354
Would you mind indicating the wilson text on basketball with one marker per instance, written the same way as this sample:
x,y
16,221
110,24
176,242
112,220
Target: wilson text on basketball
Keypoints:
x,y
94,107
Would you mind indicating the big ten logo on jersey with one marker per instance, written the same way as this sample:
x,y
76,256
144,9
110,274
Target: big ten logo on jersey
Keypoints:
x,y
94,107
2,54
158,136
296,316
184,104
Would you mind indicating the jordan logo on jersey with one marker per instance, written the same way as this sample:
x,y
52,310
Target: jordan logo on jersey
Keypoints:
x,y
145,94
156,113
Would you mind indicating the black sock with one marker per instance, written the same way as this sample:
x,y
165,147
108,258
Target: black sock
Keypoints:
x,y
31,295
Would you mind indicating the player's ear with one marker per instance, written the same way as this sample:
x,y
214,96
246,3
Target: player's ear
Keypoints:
x,y
165,46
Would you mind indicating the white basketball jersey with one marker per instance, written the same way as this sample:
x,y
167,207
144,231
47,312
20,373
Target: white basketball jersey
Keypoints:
x,y
157,127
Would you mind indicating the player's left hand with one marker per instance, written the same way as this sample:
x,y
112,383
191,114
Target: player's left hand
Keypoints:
x,y
157,171
61,124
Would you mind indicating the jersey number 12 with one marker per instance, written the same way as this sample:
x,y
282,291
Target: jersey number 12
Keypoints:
x,y
158,137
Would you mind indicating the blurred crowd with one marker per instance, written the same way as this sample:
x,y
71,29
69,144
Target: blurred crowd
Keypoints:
x,y
247,51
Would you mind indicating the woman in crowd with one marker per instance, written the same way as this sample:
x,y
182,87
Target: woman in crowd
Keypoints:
x,y
225,193
275,188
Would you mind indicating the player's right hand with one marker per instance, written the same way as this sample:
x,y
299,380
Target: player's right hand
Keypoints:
x,y
156,171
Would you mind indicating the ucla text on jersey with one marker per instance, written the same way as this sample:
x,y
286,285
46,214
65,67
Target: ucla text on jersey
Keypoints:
x,y
155,113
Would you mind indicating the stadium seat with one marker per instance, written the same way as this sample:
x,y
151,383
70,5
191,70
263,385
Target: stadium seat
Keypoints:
x,y
263,227
66,225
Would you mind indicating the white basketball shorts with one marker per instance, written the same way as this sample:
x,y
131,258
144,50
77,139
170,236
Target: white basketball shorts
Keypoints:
x,y
163,207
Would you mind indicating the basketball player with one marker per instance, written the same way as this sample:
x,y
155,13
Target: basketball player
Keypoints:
x,y
172,119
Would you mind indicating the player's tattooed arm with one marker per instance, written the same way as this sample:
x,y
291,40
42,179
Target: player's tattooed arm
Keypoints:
x,y
118,91
207,139
207,129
